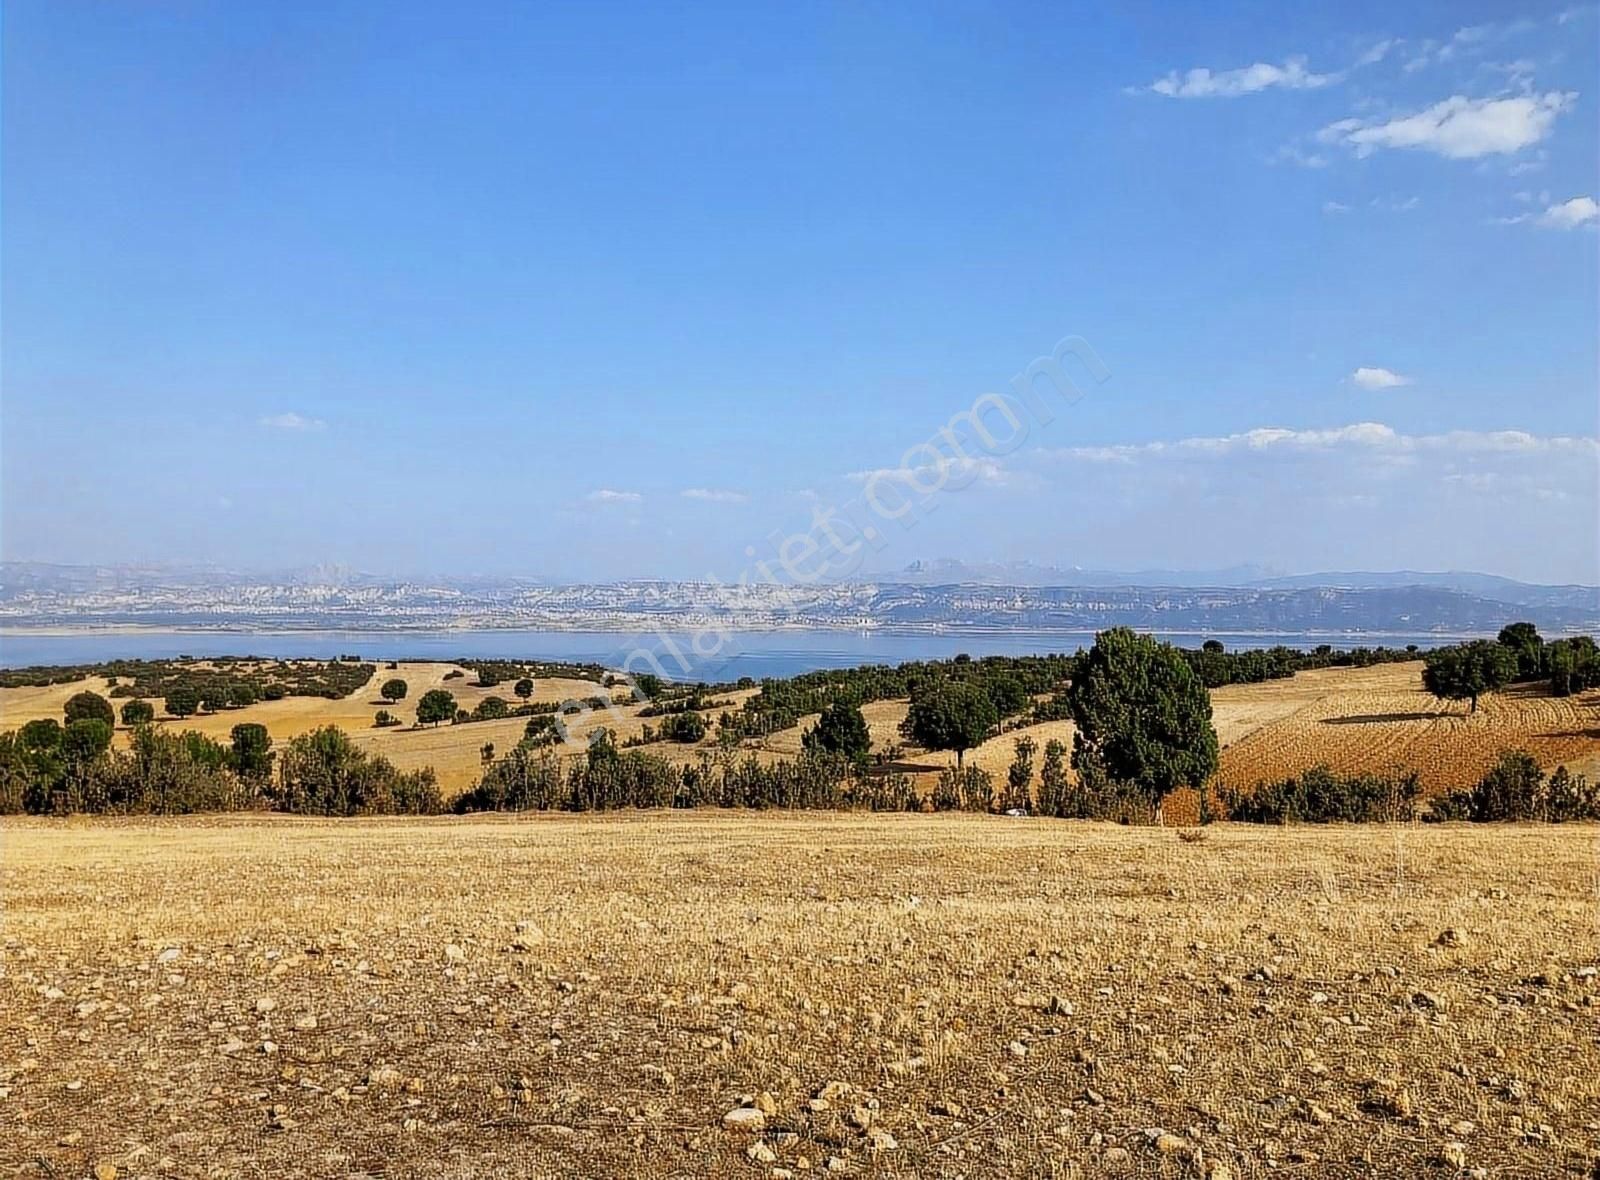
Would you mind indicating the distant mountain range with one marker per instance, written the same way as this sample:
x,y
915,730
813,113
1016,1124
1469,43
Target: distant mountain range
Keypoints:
x,y
926,596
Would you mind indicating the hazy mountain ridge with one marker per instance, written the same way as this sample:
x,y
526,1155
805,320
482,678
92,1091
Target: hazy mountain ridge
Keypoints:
x,y
68,596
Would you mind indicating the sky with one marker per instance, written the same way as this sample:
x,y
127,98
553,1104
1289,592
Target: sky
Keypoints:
x,y
606,291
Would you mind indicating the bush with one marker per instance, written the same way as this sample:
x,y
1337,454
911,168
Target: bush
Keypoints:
x,y
1319,796
323,773
1515,789
683,727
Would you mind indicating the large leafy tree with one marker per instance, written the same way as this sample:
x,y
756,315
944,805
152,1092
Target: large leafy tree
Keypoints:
x,y
182,700
138,712
840,730
1525,643
1143,717
1468,670
394,689
436,705
87,706
950,715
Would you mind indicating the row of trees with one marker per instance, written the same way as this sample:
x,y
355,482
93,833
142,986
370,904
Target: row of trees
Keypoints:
x,y
1466,671
163,772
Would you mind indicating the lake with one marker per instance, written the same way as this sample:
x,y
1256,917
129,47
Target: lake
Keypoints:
x,y
744,653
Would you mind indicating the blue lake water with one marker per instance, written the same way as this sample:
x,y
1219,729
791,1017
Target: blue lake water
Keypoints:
x,y
742,653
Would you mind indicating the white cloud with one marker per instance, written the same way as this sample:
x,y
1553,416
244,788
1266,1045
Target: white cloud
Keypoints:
x,y
1368,437
292,421
1335,207
1573,214
609,496
1378,378
950,473
1458,128
714,495
1570,214
1204,83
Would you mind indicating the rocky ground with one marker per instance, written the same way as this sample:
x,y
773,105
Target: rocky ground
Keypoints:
x,y
771,995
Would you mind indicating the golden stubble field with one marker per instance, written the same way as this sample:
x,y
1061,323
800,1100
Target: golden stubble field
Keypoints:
x,y
895,995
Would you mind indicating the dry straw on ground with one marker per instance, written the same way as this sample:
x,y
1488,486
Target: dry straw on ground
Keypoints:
x,y
895,995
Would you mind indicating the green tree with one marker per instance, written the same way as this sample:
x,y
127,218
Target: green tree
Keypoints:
x,y
85,739
842,729
138,712
252,751
491,709
89,705
436,705
523,688
1524,642
648,685
1053,779
1019,778
1466,671
1008,695
687,727
41,734
182,701
950,715
394,690
1143,718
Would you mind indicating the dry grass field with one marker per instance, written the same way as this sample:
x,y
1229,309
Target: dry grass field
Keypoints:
x,y
898,996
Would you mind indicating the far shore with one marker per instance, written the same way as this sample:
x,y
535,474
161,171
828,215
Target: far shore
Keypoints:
x,y
604,627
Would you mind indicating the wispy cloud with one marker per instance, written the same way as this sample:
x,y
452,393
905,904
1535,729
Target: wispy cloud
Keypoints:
x,y
1205,83
1372,437
611,496
1335,207
714,495
1378,378
292,421
1458,128
956,472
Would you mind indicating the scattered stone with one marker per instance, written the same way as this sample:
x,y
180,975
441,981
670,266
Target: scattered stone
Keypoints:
x,y
1427,1000
1017,1049
105,1171
860,1117
745,1118
880,1140
1449,937
231,1045
265,1004
1463,1128
1116,1159
765,1103
1318,1113
760,1153
945,1109
454,953
1454,1154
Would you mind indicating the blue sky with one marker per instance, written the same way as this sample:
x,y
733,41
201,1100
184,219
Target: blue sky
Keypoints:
x,y
602,291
